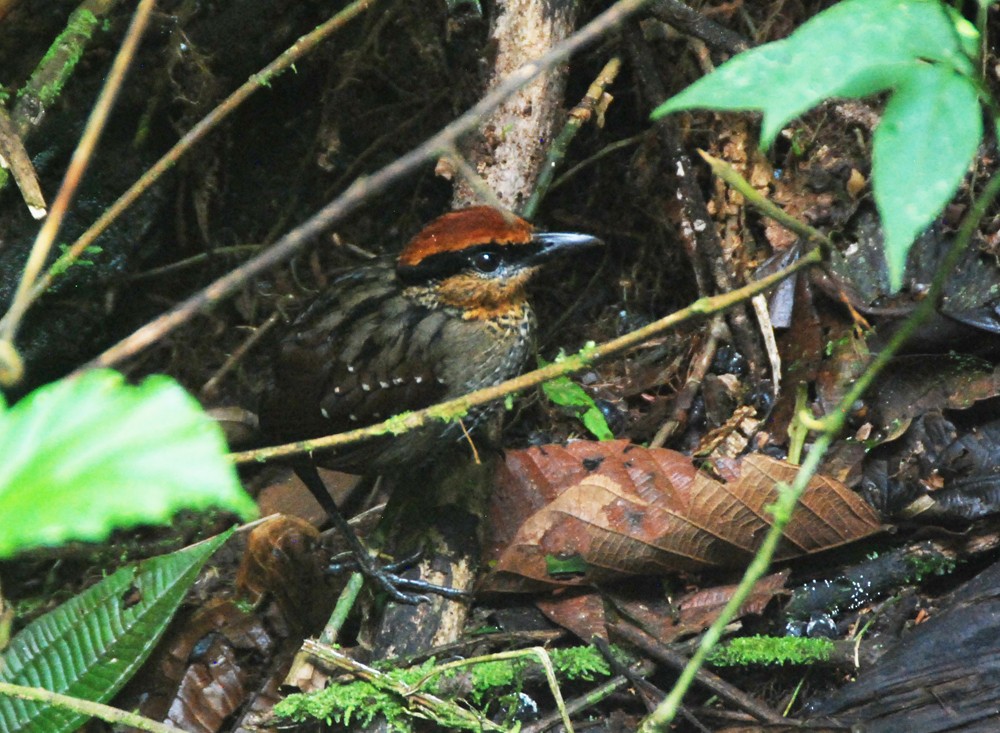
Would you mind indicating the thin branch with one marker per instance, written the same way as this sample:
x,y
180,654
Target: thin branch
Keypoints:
x,y
701,240
663,653
690,21
472,179
729,174
84,707
362,188
58,63
421,704
594,99
14,157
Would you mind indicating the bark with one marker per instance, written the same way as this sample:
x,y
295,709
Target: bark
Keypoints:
x,y
510,147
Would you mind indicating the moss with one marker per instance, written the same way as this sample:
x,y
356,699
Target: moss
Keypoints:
x,y
397,423
771,650
929,563
575,663
356,704
580,663
66,51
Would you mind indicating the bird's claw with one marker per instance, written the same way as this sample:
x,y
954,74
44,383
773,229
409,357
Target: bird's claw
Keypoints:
x,y
388,579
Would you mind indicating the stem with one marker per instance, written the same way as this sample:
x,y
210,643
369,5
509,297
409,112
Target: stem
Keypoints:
x,y
577,117
84,707
262,78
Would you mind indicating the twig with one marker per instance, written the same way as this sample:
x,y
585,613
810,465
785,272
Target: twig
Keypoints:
x,y
474,181
728,174
536,651
74,173
57,65
700,238
459,406
361,189
345,602
577,117
690,21
84,707
14,157
763,314
602,153
579,704
211,386
192,261
684,397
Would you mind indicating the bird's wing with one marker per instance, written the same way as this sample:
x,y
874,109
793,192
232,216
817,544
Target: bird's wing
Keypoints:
x,y
356,357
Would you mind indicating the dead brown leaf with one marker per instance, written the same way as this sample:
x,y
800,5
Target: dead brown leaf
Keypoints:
x,y
915,384
283,559
592,512
586,612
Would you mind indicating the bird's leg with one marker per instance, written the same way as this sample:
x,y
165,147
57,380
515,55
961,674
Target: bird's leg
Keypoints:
x,y
384,576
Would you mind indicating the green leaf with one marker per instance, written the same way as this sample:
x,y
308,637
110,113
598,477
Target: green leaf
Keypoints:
x,y
874,43
921,151
84,456
566,393
572,565
91,645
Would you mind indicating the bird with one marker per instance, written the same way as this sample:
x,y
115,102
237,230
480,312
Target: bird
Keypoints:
x,y
449,316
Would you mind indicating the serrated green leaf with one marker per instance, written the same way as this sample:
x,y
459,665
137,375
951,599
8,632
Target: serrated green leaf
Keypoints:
x,y
873,42
84,456
921,151
90,646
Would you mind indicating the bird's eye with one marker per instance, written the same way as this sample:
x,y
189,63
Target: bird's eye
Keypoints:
x,y
486,261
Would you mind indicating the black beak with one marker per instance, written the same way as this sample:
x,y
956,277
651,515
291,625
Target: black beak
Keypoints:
x,y
549,245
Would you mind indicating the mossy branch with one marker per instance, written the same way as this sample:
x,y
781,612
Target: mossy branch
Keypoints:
x,y
84,707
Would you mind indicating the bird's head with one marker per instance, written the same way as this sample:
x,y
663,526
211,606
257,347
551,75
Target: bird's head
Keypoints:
x,y
479,259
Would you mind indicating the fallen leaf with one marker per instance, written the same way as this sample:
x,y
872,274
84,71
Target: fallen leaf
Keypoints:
x,y
592,512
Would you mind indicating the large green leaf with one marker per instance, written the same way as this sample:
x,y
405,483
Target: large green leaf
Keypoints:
x,y
856,48
91,645
921,151
87,455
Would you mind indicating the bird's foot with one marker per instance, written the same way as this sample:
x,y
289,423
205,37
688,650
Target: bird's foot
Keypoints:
x,y
388,579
